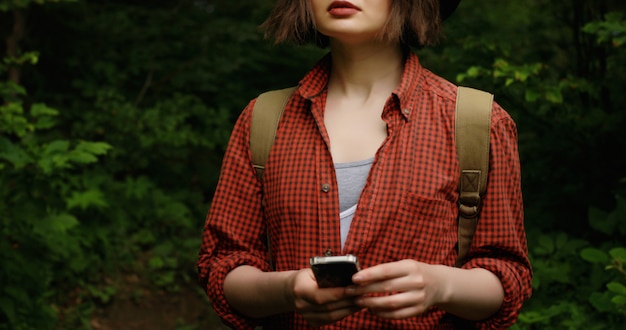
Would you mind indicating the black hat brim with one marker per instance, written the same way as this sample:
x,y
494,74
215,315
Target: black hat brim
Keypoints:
x,y
447,7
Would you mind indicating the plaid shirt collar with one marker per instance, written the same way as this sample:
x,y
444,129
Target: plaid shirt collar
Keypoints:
x,y
314,83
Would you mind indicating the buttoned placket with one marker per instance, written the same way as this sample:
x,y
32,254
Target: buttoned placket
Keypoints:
x,y
361,227
328,199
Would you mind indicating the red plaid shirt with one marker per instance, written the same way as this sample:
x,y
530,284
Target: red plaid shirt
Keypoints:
x,y
407,210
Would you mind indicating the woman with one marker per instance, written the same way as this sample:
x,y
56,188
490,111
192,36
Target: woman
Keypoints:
x,y
364,163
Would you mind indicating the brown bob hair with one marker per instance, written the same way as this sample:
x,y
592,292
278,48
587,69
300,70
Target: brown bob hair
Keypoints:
x,y
415,23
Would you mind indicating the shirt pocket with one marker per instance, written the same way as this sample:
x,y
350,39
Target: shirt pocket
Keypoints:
x,y
422,229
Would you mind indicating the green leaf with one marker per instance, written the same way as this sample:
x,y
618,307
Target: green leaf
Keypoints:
x,y
57,154
618,253
44,115
40,109
23,58
602,302
14,154
45,123
156,263
12,119
54,156
85,152
81,157
547,243
144,236
560,240
96,148
554,96
616,287
56,224
165,278
86,199
103,294
56,147
619,300
138,188
594,255
11,88
473,72
63,222
532,95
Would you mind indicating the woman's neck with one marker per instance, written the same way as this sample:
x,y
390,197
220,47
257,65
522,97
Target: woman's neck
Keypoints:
x,y
365,70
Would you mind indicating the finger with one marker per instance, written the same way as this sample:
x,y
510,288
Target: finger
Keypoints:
x,y
389,286
392,301
324,296
383,272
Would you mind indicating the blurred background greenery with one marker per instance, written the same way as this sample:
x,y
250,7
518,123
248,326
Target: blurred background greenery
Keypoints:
x,y
115,115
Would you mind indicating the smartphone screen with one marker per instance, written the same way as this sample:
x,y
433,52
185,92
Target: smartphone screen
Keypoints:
x,y
334,271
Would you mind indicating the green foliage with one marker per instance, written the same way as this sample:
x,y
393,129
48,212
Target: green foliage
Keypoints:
x,y
576,284
116,115
33,214
561,285
562,81
119,178
23,59
609,223
612,297
611,30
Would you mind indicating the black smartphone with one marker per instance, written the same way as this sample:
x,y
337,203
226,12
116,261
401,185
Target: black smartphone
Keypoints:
x,y
334,271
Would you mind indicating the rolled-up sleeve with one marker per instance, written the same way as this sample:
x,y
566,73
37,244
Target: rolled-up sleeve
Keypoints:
x,y
234,231
500,241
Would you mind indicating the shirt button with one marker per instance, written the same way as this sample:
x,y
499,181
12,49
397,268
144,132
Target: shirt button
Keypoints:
x,y
325,187
406,111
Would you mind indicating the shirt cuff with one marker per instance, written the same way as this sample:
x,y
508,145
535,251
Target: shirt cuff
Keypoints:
x,y
515,280
215,288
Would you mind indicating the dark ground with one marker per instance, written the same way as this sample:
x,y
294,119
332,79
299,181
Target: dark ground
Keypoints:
x,y
141,306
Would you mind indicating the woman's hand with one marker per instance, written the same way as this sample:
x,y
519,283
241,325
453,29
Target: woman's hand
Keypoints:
x,y
320,306
398,290
408,288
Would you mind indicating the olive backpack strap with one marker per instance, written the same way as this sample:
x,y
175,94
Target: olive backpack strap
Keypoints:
x,y
266,114
472,130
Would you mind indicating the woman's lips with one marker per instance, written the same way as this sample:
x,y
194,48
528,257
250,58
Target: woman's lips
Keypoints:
x,y
342,8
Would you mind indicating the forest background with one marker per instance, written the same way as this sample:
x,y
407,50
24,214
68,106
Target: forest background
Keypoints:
x,y
114,116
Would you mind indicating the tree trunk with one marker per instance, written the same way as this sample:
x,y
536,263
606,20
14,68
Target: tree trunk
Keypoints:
x,y
13,42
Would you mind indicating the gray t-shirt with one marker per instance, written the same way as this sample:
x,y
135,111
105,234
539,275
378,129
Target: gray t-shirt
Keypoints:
x,y
351,178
